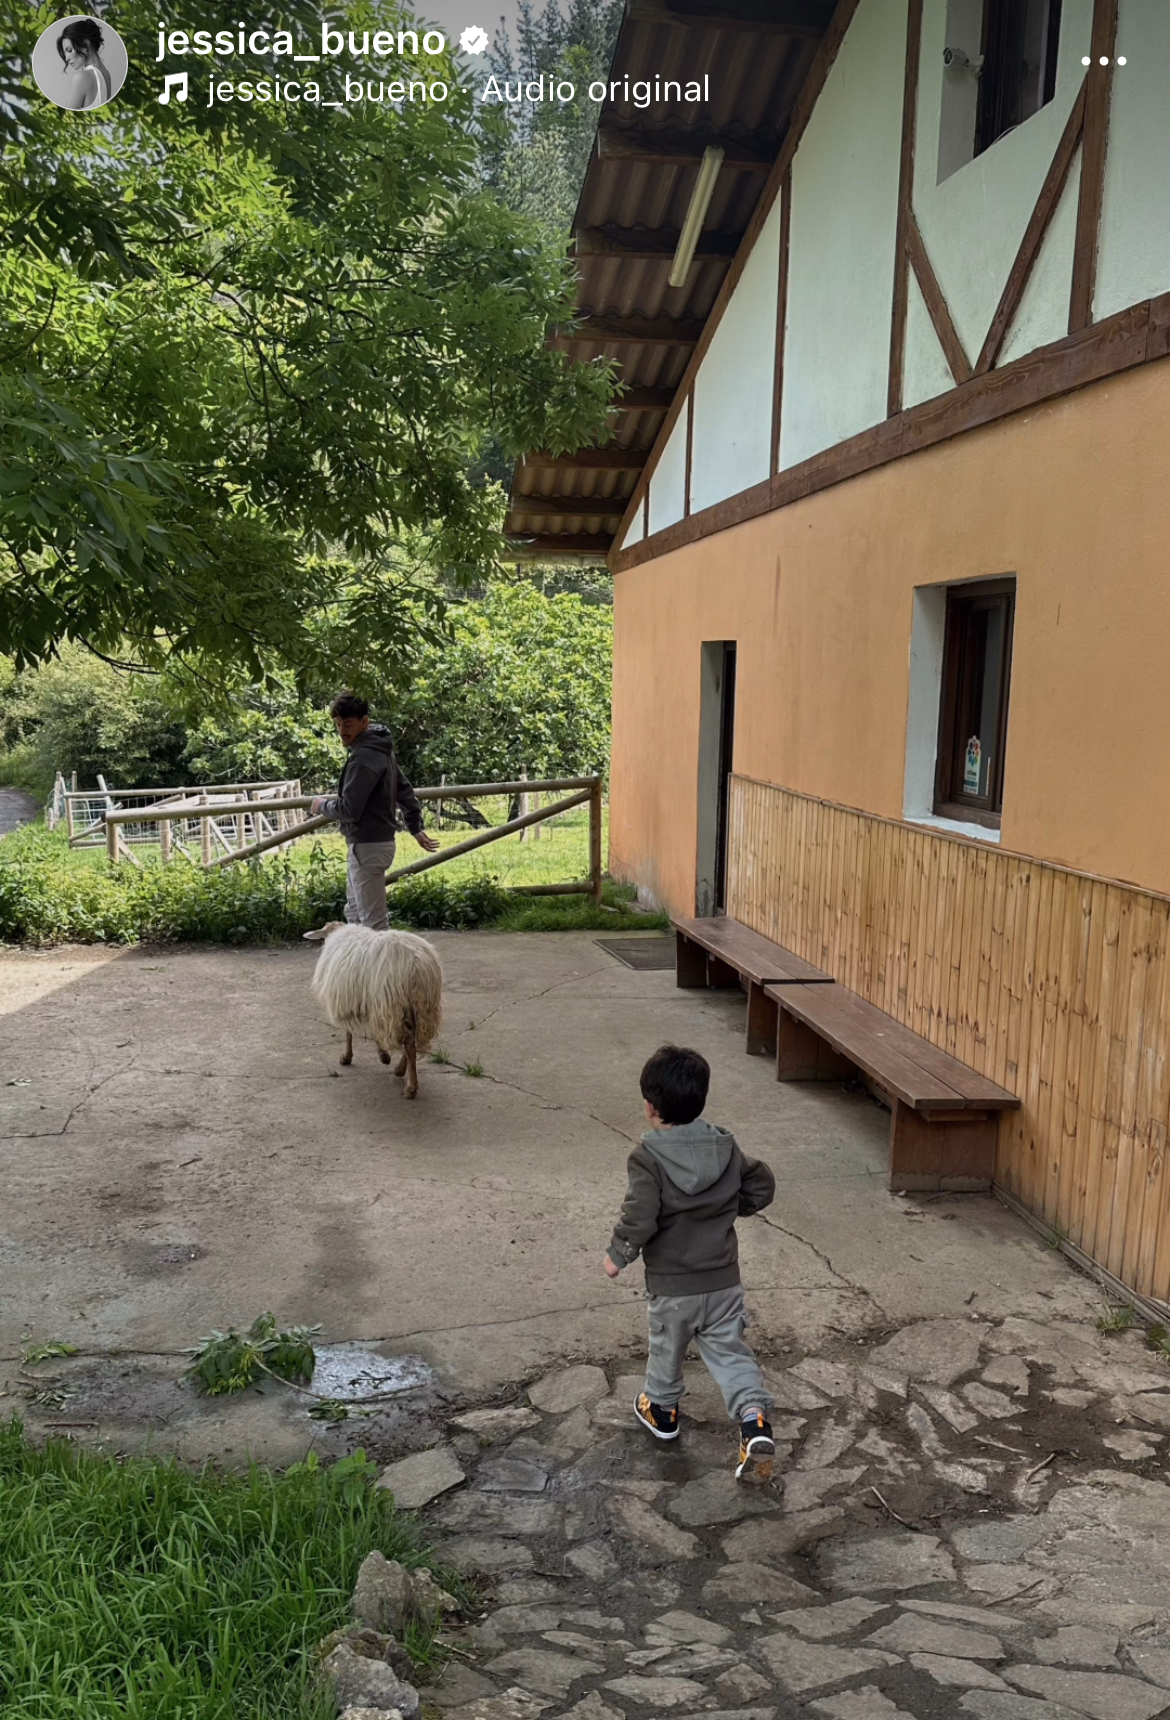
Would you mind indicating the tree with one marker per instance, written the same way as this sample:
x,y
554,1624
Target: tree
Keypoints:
x,y
249,355
540,164
524,686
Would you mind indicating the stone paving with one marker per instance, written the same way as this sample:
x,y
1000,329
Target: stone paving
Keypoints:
x,y
970,1518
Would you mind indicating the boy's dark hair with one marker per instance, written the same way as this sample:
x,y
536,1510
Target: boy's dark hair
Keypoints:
x,y
675,1082
349,705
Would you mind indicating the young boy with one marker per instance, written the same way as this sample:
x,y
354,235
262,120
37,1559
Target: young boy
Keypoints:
x,y
689,1182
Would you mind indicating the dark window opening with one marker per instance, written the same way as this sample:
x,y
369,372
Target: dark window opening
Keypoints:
x,y
973,714
1020,43
726,756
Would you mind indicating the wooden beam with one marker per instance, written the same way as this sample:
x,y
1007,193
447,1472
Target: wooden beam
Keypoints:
x,y
1050,195
642,400
810,91
553,546
936,304
608,459
675,148
1136,336
905,209
783,17
781,316
1098,91
634,331
584,507
649,243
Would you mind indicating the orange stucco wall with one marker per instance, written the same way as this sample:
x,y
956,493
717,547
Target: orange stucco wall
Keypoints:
x,y
1072,498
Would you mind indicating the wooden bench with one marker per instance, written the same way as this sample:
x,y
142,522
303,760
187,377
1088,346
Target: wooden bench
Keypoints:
x,y
721,952
944,1116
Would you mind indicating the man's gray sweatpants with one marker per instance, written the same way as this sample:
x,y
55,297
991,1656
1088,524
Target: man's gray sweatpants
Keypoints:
x,y
716,1322
365,880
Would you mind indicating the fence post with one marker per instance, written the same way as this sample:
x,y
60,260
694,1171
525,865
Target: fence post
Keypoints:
x,y
205,833
595,839
111,842
439,803
525,804
164,841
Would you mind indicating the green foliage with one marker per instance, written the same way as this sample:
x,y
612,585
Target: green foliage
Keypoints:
x,y
134,1589
50,894
231,1361
1117,1317
538,160
524,685
250,355
78,713
31,1353
47,897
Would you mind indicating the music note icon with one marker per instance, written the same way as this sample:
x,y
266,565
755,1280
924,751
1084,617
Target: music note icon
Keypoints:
x,y
176,81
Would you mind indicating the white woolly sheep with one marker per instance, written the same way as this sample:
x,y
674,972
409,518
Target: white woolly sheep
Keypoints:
x,y
384,986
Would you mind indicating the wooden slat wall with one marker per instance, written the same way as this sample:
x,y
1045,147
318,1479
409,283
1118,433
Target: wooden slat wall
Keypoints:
x,y
1054,984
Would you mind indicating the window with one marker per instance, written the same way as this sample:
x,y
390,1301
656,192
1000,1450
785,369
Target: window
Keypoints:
x,y
998,70
973,708
1018,75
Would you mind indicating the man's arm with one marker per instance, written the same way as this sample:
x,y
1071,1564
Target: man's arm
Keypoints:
x,y
408,804
758,1188
639,1215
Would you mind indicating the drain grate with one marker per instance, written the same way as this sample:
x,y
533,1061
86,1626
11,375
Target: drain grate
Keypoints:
x,y
646,954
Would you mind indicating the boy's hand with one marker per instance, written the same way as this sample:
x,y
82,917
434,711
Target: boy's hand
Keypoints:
x,y
611,1271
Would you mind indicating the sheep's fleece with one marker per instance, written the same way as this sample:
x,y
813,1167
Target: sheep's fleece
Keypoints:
x,y
382,985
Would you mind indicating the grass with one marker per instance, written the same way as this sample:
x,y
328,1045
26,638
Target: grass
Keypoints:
x,y
50,893
138,1590
1117,1317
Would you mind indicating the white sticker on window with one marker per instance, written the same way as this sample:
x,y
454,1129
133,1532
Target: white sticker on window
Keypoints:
x,y
973,766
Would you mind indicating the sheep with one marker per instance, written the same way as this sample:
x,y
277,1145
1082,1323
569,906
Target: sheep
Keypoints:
x,y
387,986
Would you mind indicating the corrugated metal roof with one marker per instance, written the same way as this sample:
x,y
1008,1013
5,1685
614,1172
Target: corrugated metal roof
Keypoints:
x,y
754,72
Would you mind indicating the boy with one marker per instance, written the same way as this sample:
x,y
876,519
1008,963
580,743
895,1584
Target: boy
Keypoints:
x,y
689,1182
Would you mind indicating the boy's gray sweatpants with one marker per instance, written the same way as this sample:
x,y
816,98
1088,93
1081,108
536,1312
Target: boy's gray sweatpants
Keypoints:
x,y
716,1322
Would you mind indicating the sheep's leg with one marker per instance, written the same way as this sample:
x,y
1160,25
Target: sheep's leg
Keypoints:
x,y
383,1054
347,1054
408,1055
400,1069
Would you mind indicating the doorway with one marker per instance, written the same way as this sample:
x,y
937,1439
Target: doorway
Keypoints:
x,y
716,757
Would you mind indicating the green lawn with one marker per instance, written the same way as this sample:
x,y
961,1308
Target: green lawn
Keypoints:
x,y
138,1590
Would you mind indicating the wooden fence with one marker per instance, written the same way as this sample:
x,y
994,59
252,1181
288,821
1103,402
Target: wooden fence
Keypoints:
x,y
585,791
1054,983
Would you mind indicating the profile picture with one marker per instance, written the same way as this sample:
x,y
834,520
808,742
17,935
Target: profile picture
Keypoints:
x,y
79,62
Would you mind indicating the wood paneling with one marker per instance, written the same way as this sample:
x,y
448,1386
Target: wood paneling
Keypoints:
x,y
1053,983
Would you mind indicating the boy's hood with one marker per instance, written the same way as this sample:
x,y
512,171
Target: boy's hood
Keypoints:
x,y
693,1155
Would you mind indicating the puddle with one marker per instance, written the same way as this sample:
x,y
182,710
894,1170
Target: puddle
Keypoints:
x,y
353,1375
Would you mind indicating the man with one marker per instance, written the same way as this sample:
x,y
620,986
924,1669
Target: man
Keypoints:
x,y
370,792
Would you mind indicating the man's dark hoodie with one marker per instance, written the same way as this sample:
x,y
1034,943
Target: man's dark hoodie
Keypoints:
x,y
370,789
688,1185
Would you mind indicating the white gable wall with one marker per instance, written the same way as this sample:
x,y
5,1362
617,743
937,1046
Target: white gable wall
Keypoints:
x,y
843,224
841,250
732,446
972,222
1133,257
668,485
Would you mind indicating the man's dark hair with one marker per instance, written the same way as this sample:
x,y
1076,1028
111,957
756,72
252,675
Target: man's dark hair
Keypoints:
x,y
675,1082
349,705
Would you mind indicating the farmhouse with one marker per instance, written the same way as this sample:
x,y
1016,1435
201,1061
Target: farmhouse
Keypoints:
x,y
889,514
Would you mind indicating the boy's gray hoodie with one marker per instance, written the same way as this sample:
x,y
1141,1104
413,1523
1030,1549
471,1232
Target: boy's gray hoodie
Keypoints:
x,y
687,1187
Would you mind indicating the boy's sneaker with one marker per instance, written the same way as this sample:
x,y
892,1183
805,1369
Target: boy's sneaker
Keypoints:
x,y
757,1448
662,1422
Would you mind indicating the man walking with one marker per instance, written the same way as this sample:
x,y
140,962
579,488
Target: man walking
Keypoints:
x,y
369,793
